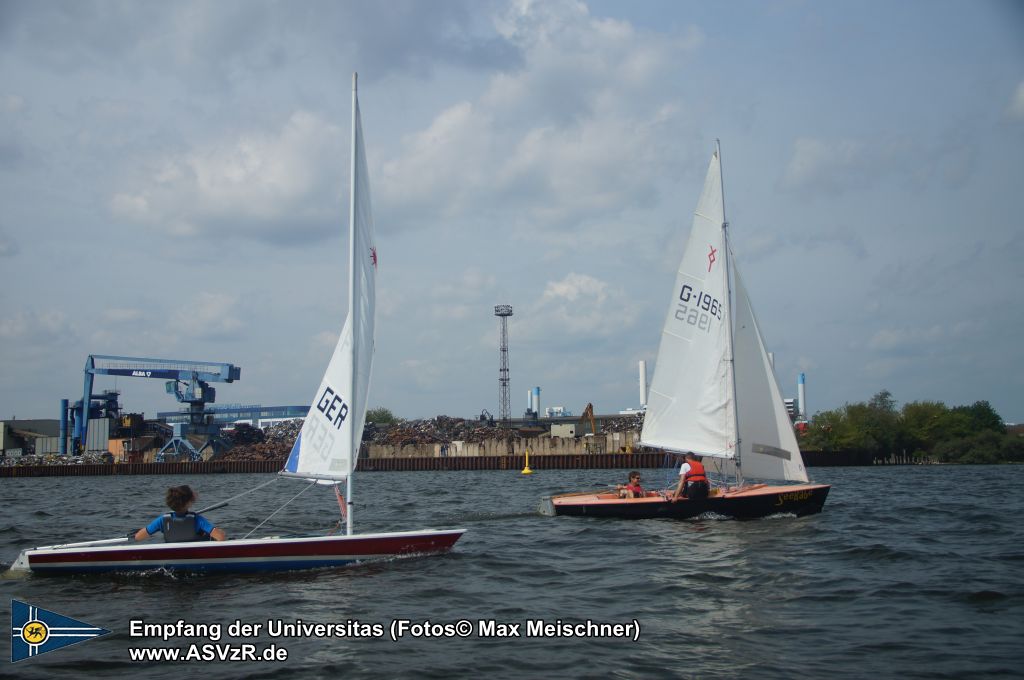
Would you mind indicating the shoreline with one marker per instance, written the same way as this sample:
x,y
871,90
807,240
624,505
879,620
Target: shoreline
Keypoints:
x,y
642,460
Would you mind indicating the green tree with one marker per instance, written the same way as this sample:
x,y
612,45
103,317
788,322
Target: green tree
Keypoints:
x,y
982,416
922,424
883,403
381,416
981,447
829,431
875,423
962,434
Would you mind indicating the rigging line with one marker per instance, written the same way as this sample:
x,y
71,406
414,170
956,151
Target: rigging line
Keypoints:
x,y
131,512
304,490
223,503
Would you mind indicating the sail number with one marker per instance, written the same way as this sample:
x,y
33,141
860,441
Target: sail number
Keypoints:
x,y
697,308
333,407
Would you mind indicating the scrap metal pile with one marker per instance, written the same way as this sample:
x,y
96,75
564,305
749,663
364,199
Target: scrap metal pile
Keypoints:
x,y
439,430
275,442
270,443
630,423
90,458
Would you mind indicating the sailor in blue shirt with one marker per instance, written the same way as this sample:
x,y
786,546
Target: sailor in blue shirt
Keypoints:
x,y
181,525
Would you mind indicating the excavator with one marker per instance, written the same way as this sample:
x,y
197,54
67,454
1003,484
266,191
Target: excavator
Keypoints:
x,y
593,443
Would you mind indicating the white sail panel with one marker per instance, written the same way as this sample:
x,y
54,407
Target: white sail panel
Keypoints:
x,y
768,446
364,286
690,406
327,447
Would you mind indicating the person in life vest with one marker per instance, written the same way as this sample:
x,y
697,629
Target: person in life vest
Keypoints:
x,y
633,489
693,482
180,525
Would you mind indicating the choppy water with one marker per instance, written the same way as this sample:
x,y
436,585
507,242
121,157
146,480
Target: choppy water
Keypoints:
x,y
909,572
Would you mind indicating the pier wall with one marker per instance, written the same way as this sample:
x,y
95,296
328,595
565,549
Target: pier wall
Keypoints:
x,y
555,462
546,453
612,442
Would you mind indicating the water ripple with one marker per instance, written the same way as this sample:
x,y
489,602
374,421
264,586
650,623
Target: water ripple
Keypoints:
x,y
921,583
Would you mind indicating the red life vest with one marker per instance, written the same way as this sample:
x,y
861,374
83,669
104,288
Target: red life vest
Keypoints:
x,y
636,489
695,473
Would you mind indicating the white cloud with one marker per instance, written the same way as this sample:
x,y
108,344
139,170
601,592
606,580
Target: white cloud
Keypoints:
x,y
121,314
36,327
12,103
584,130
838,166
831,165
424,373
905,340
130,207
577,306
573,286
325,340
208,316
281,185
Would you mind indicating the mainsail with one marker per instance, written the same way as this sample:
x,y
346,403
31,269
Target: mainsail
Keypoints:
x,y
690,406
327,447
713,380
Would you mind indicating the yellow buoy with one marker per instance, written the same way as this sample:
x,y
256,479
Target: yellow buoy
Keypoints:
x,y
526,469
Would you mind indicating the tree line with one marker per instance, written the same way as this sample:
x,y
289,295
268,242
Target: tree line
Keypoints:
x,y
924,429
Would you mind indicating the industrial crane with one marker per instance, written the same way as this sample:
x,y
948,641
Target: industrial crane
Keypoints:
x,y
188,381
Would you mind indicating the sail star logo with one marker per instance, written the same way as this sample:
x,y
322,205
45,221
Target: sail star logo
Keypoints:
x,y
711,256
373,257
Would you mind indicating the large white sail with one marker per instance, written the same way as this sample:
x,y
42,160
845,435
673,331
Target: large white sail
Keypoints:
x,y
690,406
327,448
768,447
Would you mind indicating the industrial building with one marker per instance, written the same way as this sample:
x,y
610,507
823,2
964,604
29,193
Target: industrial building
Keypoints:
x,y
251,414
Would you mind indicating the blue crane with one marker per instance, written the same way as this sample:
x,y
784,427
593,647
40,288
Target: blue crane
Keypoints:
x,y
188,381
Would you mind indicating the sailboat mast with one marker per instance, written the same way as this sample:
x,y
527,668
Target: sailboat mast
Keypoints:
x,y
728,318
352,297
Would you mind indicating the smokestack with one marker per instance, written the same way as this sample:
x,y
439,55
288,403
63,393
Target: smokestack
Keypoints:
x,y
801,396
643,384
535,400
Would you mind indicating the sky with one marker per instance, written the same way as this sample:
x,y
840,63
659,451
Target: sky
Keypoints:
x,y
174,184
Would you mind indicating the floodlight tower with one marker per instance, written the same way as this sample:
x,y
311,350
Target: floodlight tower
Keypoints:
x,y
504,403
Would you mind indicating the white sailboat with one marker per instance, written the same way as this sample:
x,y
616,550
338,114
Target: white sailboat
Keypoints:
x,y
325,452
714,391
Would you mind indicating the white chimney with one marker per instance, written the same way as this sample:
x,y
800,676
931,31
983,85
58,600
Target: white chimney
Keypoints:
x,y
643,384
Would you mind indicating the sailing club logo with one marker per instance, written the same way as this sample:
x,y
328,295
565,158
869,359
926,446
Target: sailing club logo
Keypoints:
x,y
35,631
711,256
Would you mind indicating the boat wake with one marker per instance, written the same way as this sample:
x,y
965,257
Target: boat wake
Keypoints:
x,y
781,515
714,516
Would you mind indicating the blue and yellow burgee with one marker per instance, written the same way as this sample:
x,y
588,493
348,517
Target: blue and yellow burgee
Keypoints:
x,y
35,631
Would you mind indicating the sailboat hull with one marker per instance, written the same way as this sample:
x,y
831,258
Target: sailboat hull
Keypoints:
x,y
267,554
748,503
